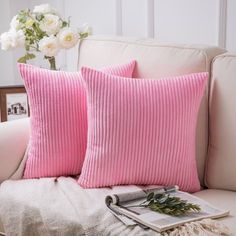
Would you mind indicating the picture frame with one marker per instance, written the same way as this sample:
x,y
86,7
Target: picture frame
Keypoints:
x,y
13,103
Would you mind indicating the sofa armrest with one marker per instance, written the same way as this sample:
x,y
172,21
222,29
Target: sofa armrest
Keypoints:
x,y
14,137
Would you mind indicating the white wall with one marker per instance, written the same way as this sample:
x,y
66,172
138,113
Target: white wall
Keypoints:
x,y
190,21
6,58
101,15
231,26
14,8
182,21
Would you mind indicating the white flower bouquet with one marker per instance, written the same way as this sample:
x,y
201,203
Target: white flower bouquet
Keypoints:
x,y
41,30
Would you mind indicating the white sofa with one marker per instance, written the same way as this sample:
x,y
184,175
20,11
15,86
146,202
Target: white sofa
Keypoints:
x,y
216,129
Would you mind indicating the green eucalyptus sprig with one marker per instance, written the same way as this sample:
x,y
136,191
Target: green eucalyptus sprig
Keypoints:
x,y
167,204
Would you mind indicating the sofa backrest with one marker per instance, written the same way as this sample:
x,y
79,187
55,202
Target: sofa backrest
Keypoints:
x,y
155,60
221,163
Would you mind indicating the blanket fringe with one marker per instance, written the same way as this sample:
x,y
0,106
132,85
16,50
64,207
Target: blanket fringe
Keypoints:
x,y
206,227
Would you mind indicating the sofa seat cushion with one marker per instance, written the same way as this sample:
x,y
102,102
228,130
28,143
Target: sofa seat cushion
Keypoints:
x,y
223,200
48,207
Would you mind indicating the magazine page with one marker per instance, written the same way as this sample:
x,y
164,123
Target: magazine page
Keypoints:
x,y
125,205
139,194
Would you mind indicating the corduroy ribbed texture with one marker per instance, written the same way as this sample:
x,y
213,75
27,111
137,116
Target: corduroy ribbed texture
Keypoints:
x,y
141,131
58,119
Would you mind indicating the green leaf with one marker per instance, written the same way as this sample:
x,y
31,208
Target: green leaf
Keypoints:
x,y
150,196
30,56
158,196
27,57
22,60
39,17
163,199
27,44
167,204
64,24
22,19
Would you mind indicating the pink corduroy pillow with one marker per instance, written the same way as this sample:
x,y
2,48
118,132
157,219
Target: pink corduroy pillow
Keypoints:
x,y
141,131
58,119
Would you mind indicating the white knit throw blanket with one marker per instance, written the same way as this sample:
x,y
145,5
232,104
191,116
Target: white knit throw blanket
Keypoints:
x,y
45,207
206,227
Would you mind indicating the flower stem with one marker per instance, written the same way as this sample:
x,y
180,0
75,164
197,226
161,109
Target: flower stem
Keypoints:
x,y
52,62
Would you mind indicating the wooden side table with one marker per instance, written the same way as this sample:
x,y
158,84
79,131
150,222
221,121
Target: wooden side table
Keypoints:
x,y
13,103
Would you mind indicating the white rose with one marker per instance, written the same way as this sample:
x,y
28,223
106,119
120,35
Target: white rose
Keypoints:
x,y
19,38
12,39
15,24
43,9
67,38
49,46
85,28
5,40
51,24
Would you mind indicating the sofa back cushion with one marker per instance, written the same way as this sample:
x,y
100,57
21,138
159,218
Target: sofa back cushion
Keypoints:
x,y
221,163
155,60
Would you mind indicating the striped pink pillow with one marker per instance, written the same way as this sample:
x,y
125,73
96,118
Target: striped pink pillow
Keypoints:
x,y
58,119
141,131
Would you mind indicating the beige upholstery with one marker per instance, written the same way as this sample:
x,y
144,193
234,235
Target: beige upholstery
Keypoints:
x,y
14,137
221,165
155,60
223,200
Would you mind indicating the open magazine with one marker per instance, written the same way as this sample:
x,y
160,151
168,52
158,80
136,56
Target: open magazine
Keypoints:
x,y
123,207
